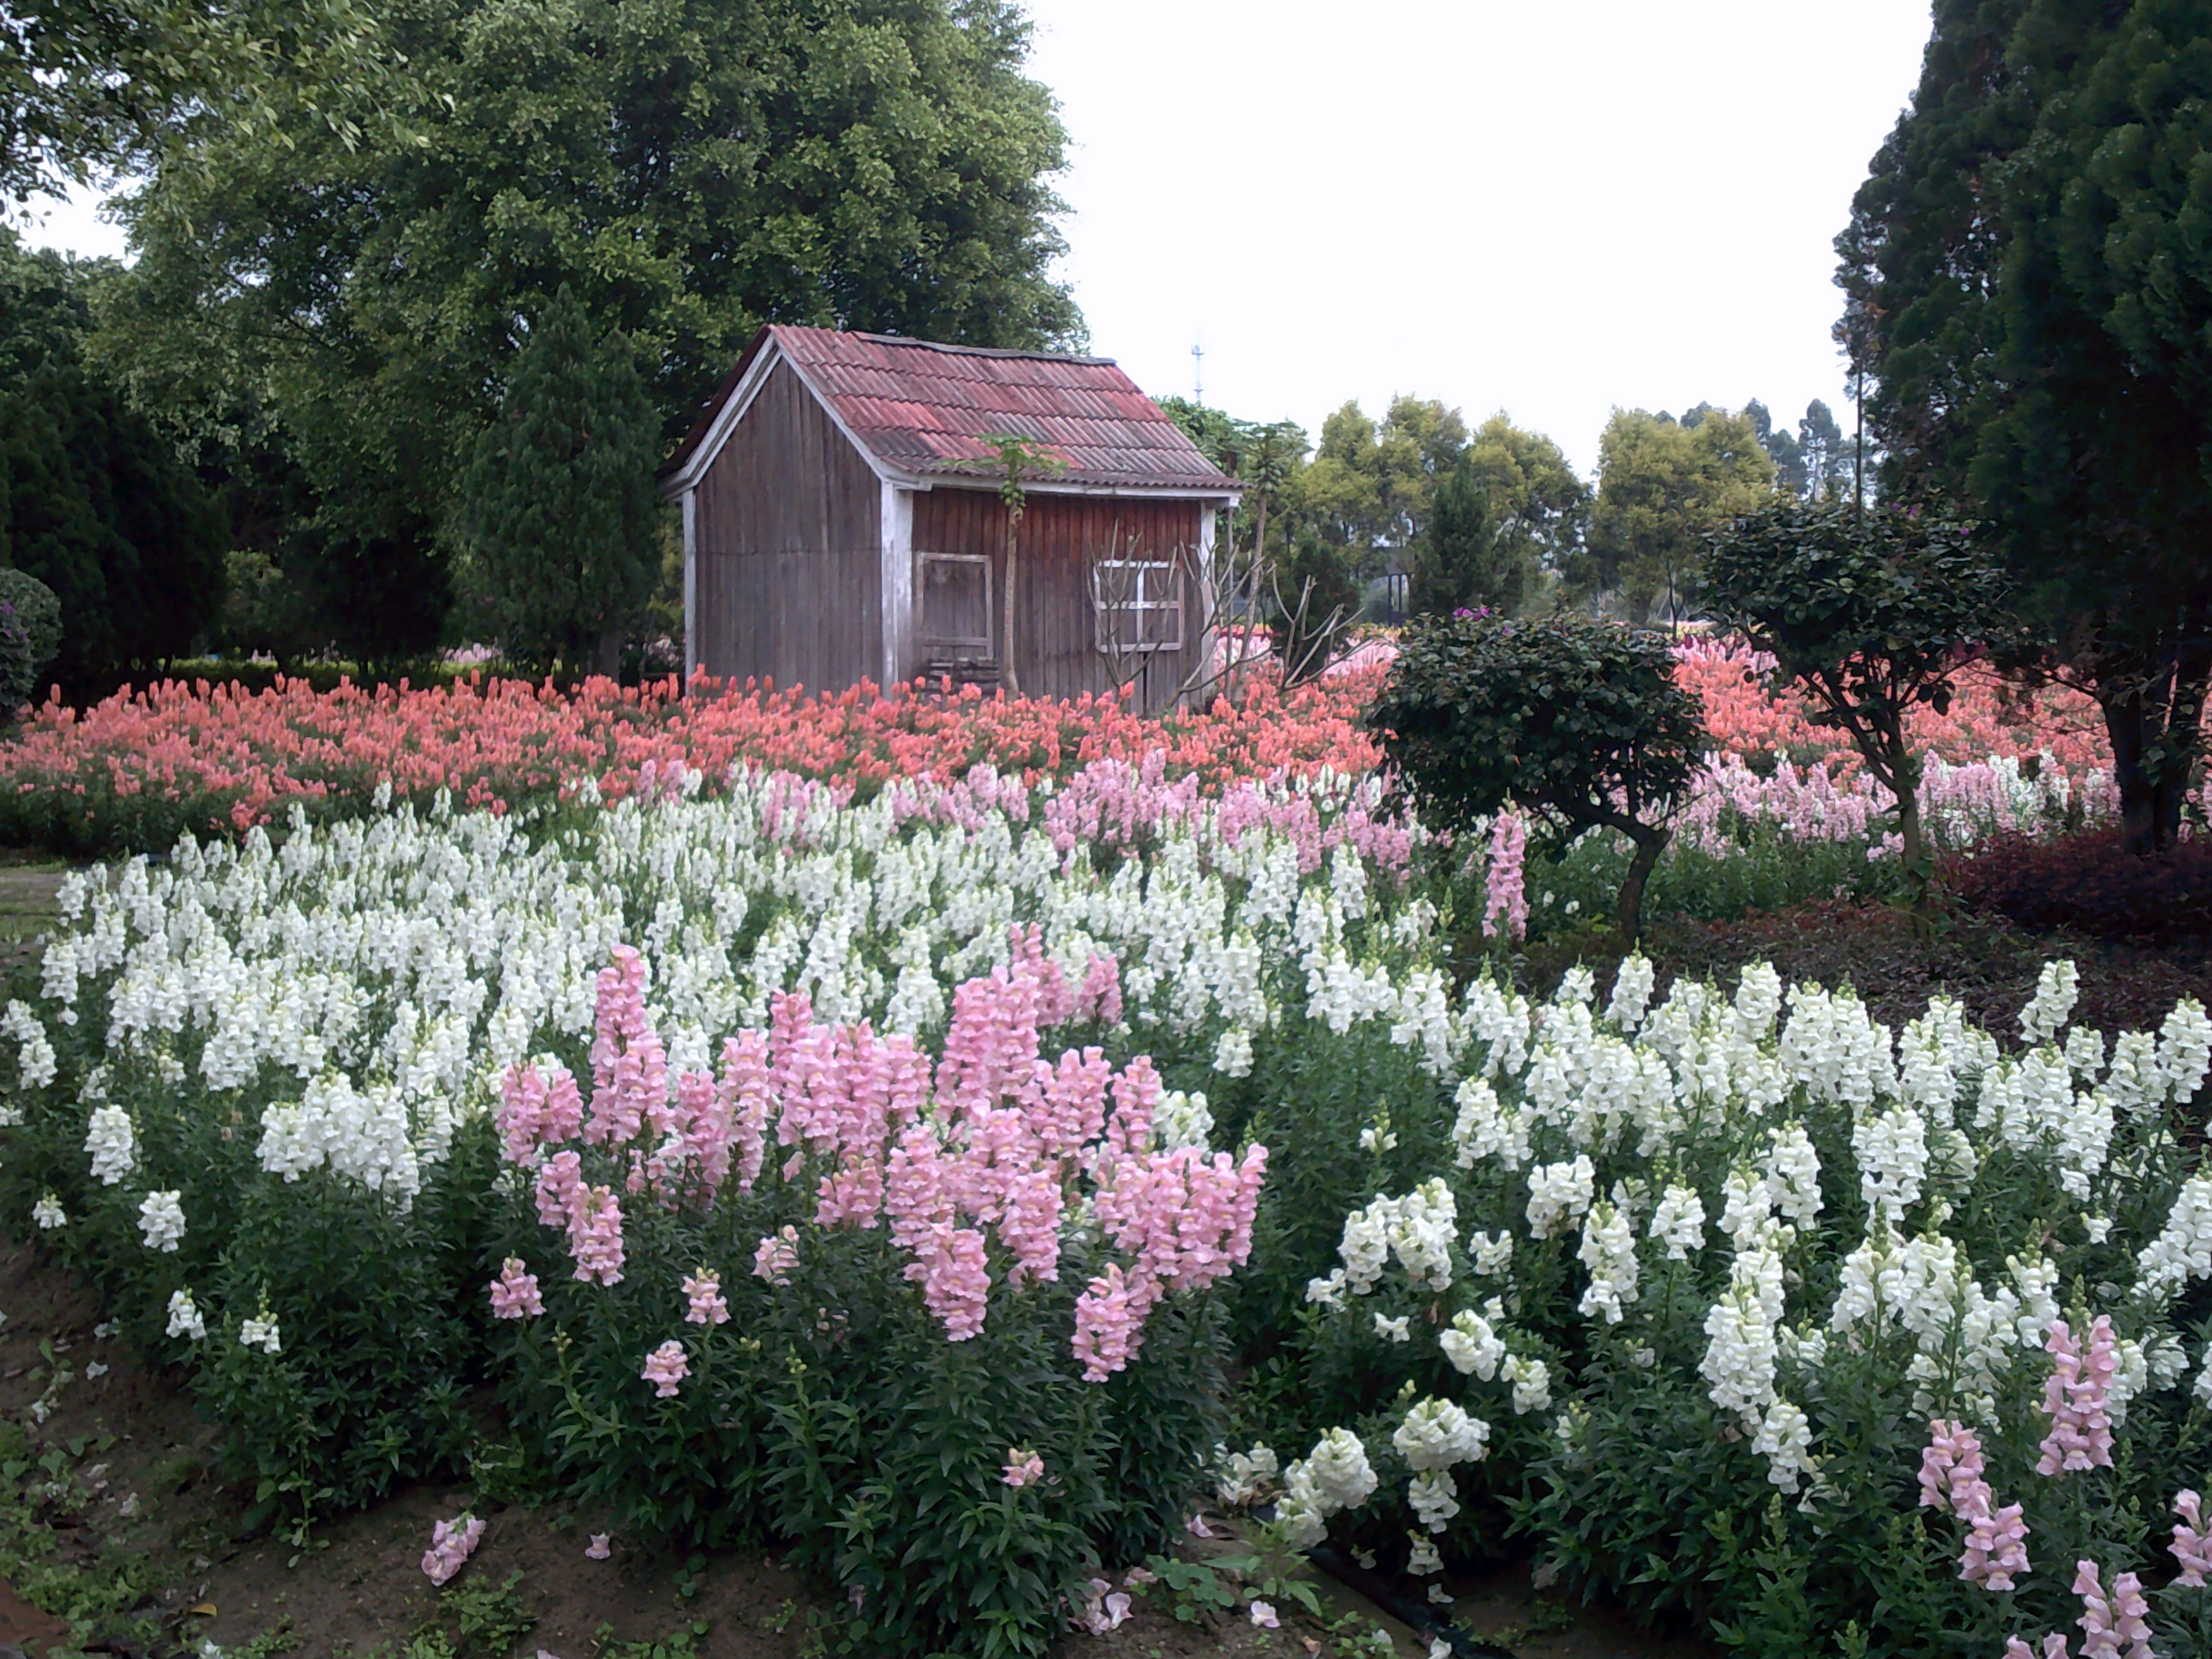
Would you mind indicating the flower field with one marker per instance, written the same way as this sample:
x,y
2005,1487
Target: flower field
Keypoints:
x,y
888,1128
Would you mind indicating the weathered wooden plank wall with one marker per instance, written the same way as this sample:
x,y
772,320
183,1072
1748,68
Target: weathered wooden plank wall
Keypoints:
x,y
789,549
1056,651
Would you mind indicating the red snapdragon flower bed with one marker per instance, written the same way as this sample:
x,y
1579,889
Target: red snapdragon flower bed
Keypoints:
x,y
142,767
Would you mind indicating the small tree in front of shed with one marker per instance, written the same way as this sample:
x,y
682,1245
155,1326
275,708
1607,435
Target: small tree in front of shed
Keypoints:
x,y
1020,458
1869,613
559,503
1578,723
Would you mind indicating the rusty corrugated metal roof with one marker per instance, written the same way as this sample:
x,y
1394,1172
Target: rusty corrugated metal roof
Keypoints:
x,y
925,409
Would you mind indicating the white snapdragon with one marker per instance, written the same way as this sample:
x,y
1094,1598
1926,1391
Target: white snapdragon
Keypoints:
x,y
2182,1250
1558,1193
1631,992
1473,1347
1436,1434
2052,1005
1793,1176
1891,1150
35,1061
112,1144
1785,1440
1394,1330
49,1214
1241,1477
162,1220
1747,1205
1232,1054
1181,1120
260,1334
1433,1496
1758,1000
1531,1380
1608,1252
1485,1129
2184,1051
1679,1222
1493,1257
185,1317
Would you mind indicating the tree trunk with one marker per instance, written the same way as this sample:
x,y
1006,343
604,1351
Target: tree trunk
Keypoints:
x,y
611,645
1628,909
2153,726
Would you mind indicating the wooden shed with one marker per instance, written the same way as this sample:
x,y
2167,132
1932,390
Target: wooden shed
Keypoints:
x,y
842,522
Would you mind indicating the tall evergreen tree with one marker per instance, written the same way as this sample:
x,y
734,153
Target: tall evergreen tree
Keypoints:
x,y
2028,284
559,499
94,502
1463,562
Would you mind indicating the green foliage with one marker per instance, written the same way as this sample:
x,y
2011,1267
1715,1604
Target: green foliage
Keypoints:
x,y
1662,484
1464,563
93,83
39,612
2030,295
689,170
94,505
1578,723
1869,613
488,1619
559,504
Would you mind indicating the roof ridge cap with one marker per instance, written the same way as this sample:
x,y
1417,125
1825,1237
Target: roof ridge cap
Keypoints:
x,y
946,345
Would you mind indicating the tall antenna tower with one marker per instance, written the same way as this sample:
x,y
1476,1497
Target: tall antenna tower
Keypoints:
x,y
1198,374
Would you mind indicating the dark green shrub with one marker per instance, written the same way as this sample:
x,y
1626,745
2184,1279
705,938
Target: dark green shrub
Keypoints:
x,y
1869,613
1578,723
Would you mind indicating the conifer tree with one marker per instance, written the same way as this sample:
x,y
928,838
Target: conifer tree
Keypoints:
x,y
559,499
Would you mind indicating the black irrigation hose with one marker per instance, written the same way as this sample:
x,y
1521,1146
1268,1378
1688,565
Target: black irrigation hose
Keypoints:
x,y
1418,1615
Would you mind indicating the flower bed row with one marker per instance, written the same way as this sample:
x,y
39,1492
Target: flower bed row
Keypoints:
x,y
845,1170
139,769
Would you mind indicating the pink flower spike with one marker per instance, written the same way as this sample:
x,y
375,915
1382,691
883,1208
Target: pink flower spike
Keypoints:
x,y
777,1258
2193,1545
514,1292
1022,1467
597,1550
705,1293
452,1543
666,1368
1263,1615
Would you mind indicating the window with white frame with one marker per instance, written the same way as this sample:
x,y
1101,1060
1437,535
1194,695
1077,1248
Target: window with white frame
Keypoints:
x,y
1137,605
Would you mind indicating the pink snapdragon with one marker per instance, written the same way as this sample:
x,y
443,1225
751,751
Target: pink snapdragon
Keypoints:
x,y
536,1110
2054,1647
666,1368
1105,1608
956,1279
1024,1467
629,1068
704,1291
514,1292
595,1235
2191,1545
986,1143
1506,898
452,1543
598,1549
1951,1478
2073,1397
777,1258
2108,1621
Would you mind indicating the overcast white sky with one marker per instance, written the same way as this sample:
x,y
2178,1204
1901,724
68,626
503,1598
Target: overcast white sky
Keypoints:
x,y
1550,207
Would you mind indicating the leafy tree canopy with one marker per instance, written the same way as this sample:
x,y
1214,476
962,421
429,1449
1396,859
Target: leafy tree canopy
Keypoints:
x,y
1578,722
93,501
1662,486
2029,284
1869,612
689,168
